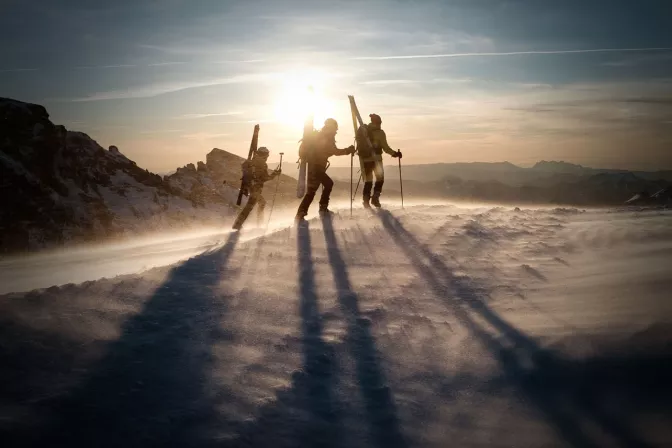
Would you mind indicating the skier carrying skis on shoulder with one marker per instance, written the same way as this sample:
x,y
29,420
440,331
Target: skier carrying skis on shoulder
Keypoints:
x,y
255,171
317,153
371,159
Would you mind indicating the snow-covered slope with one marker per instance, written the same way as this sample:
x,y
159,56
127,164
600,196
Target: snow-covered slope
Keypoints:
x,y
58,186
432,326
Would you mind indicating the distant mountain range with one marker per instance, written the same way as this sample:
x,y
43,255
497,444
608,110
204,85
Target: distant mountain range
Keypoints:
x,y
59,186
543,172
546,182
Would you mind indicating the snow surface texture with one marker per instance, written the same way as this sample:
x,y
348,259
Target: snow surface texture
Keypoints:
x,y
430,326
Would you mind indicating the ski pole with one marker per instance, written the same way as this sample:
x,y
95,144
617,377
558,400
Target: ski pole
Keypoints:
x,y
277,184
352,157
401,185
360,179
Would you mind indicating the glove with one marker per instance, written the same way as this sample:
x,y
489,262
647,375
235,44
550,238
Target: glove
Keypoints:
x,y
351,149
397,154
277,172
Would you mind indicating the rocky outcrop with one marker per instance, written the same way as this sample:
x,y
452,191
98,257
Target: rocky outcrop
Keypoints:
x,y
58,186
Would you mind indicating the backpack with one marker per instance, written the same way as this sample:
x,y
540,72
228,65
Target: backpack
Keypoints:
x,y
308,144
247,176
364,149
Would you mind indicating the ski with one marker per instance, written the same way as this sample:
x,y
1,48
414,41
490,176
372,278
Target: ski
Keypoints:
x,y
301,182
308,128
253,148
357,118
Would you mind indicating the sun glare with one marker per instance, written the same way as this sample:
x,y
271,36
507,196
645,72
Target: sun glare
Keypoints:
x,y
301,94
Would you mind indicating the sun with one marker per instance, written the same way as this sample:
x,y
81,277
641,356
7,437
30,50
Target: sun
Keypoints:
x,y
302,93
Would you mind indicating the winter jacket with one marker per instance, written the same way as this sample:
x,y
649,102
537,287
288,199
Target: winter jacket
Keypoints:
x,y
258,170
323,148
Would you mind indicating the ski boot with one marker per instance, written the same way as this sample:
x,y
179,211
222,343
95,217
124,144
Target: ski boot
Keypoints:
x,y
366,194
299,220
377,189
325,212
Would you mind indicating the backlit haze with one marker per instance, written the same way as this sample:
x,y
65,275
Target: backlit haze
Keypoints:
x,y
465,80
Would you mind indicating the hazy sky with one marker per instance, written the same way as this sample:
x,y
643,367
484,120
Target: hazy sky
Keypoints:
x,y
584,81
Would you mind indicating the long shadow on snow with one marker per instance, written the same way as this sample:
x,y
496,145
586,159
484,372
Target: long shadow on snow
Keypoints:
x,y
150,387
379,403
563,390
306,414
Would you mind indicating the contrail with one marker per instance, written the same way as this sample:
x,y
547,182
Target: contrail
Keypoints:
x,y
509,53
14,70
155,64
86,67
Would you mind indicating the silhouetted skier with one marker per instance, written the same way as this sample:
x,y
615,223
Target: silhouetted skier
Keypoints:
x,y
255,171
317,153
371,159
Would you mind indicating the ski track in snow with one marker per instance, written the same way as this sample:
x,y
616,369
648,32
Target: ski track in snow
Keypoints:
x,y
430,326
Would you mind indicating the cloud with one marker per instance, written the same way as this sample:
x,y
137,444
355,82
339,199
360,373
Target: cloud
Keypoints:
x,y
194,116
16,70
510,53
161,64
152,90
84,67
203,136
639,60
161,131
386,82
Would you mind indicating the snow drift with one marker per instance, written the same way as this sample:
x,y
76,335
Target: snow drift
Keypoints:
x,y
430,326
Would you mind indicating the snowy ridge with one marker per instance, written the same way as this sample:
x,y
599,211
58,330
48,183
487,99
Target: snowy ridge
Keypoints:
x,y
60,186
430,326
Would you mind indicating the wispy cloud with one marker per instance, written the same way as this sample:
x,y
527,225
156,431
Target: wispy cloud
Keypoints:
x,y
161,64
510,53
85,67
387,82
157,89
194,116
161,131
241,61
248,121
203,136
16,70
639,60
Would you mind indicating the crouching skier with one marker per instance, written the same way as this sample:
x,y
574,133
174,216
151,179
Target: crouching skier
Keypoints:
x,y
255,171
371,159
317,151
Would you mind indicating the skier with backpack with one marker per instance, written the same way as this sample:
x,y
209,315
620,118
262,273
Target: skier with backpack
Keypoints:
x,y
316,149
255,174
371,159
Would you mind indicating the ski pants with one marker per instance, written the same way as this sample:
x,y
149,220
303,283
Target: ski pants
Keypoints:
x,y
254,199
369,169
316,176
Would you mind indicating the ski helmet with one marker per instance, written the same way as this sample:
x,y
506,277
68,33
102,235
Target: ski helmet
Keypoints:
x,y
375,119
262,151
331,123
